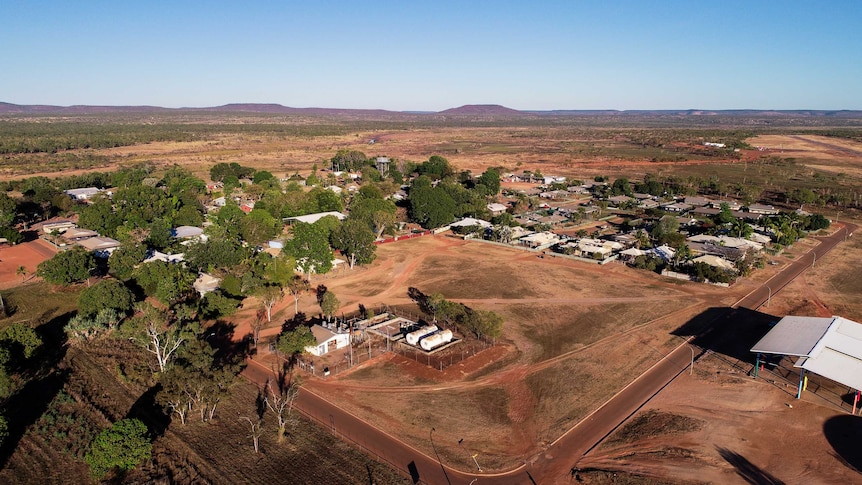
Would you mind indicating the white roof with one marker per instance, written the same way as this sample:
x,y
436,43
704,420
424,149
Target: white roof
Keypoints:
x,y
85,191
713,261
495,207
187,231
312,218
96,243
469,221
830,347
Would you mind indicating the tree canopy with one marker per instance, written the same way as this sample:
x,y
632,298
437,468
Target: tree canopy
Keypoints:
x,y
119,448
67,267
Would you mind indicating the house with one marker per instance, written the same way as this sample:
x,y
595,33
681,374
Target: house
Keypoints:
x,y
167,258
553,219
312,218
58,226
75,234
553,179
219,202
732,204
697,201
540,240
713,144
84,193
206,283
714,261
102,247
327,340
678,207
648,204
335,188
469,221
554,194
187,232
763,209
496,209
619,200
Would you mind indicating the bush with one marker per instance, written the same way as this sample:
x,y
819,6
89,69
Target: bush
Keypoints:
x,y
121,447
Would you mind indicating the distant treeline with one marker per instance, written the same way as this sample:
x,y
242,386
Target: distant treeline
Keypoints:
x,y
53,137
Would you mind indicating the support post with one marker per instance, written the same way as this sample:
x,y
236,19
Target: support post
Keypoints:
x,y
757,365
801,380
855,401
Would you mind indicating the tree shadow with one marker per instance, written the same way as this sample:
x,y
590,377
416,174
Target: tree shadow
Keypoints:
x,y
45,379
150,412
220,336
843,433
746,470
728,331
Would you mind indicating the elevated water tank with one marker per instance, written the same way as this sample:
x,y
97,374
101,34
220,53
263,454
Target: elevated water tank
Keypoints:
x,y
415,336
435,340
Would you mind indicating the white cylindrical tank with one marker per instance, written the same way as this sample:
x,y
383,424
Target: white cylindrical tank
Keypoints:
x,y
436,340
415,336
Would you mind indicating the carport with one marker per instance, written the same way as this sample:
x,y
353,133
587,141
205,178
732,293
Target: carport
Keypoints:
x,y
829,347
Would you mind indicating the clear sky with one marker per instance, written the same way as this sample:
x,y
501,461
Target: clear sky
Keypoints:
x,y
434,55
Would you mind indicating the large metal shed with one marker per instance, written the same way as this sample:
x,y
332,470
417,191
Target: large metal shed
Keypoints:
x,y
830,347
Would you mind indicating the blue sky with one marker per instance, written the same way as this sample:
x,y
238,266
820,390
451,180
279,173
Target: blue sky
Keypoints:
x,y
405,55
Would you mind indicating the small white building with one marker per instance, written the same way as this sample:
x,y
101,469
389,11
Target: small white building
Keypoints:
x,y
496,208
312,218
206,283
327,340
84,193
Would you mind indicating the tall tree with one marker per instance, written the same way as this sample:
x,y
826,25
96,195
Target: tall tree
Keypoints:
x,y
296,287
356,242
310,248
329,305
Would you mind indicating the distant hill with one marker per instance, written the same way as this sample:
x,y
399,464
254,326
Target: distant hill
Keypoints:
x,y
483,111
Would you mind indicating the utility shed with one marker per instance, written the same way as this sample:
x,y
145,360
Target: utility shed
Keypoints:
x,y
830,347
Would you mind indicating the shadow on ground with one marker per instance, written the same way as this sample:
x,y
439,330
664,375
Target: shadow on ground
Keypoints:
x,y
746,470
844,432
728,331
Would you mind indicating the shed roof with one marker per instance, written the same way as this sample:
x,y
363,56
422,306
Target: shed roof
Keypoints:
x,y
312,218
793,336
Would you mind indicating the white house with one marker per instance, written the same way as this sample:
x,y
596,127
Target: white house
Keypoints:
x,y
327,340
206,283
496,208
102,247
84,193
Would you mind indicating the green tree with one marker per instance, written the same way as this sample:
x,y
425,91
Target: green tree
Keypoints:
x,y
295,341
119,448
725,215
356,242
329,304
18,340
123,260
100,217
259,226
107,294
67,267
430,206
310,248
490,178
269,296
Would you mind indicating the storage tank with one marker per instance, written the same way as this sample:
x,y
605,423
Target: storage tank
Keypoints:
x,y
436,340
415,336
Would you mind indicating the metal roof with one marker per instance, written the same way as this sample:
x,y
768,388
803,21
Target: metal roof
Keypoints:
x,y
793,336
830,347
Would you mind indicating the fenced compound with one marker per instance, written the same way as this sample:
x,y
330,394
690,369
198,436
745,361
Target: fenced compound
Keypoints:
x,y
383,333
